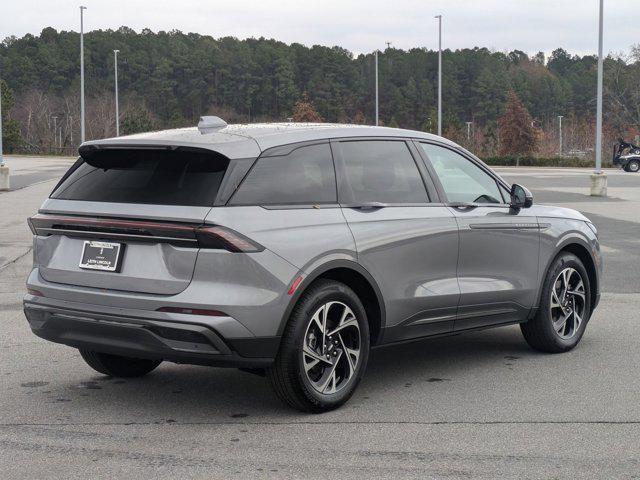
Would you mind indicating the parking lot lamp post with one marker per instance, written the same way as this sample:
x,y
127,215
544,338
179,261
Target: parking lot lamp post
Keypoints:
x,y
115,62
82,9
55,130
560,134
4,170
599,178
376,55
439,17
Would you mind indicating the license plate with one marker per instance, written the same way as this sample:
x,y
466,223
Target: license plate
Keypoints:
x,y
106,256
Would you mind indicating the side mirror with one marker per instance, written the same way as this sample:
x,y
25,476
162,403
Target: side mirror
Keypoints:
x,y
520,197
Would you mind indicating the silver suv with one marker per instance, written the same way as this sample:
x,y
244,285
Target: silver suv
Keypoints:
x,y
291,250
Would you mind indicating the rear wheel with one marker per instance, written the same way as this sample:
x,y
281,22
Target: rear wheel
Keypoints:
x,y
324,349
117,366
633,166
565,307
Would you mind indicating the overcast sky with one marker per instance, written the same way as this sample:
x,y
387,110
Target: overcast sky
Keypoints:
x,y
360,26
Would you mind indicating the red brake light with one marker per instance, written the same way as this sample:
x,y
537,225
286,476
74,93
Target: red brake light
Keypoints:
x,y
220,237
203,236
34,292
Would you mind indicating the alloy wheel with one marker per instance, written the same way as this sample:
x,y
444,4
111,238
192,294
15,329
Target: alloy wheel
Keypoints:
x,y
568,303
331,348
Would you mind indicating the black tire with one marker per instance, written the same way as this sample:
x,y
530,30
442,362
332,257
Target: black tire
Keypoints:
x,y
117,366
539,332
633,166
287,375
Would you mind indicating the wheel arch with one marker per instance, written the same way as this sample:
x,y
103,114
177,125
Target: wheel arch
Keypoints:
x,y
356,277
581,249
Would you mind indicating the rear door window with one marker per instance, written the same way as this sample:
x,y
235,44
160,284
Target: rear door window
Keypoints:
x,y
163,177
380,171
305,176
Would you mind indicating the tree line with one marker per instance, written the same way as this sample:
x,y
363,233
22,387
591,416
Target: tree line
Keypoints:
x,y
169,79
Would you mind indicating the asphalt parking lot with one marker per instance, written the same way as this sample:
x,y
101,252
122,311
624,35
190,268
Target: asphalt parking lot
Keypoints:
x,y
478,405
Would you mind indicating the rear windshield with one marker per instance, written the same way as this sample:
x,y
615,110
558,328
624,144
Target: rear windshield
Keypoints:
x,y
165,177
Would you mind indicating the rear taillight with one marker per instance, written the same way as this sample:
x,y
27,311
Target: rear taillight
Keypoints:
x,y
183,234
31,226
220,237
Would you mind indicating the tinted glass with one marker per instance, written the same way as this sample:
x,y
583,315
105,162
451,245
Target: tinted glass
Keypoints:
x,y
146,176
305,176
461,179
380,171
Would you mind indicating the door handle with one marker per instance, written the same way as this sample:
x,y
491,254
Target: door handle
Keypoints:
x,y
463,205
368,206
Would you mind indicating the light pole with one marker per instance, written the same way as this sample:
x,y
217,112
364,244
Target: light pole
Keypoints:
x,y
115,62
1,157
376,87
82,73
599,178
55,130
560,117
4,170
439,17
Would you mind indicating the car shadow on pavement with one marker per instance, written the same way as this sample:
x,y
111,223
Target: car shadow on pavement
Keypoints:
x,y
178,393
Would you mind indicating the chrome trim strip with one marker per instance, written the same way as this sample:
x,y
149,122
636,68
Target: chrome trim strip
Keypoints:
x,y
504,226
426,320
483,313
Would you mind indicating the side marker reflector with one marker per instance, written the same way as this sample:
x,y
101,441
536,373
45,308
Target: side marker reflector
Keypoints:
x,y
294,285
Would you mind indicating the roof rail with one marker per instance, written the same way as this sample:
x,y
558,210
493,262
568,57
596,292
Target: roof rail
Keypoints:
x,y
209,124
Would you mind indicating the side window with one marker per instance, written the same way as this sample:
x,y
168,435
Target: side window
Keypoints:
x,y
461,179
380,171
304,176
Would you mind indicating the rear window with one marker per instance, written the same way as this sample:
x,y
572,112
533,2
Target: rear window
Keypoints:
x,y
164,177
380,171
305,177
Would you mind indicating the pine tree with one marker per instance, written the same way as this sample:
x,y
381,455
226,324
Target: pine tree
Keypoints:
x,y
304,111
518,136
11,137
359,118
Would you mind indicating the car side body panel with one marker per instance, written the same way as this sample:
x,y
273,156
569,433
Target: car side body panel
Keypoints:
x,y
412,254
497,266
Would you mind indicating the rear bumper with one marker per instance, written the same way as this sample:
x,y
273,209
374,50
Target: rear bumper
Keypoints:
x,y
140,337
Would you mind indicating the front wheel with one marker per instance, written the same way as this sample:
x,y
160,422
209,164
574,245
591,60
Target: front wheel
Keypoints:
x,y
633,166
565,307
324,349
